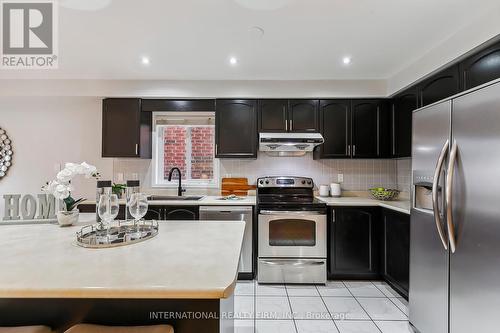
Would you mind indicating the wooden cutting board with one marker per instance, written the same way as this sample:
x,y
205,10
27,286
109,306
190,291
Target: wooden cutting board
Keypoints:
x,y
236,186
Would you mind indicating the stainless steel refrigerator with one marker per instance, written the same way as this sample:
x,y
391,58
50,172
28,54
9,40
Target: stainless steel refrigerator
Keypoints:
x,y
455,216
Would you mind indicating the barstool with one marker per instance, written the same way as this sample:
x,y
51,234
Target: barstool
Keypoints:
x,y
87,328
26,329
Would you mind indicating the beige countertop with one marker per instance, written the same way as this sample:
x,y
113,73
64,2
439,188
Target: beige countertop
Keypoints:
x,y
187,259
208,200
402,206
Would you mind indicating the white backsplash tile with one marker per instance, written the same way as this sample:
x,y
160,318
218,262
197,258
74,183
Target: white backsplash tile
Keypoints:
x,y
359,175
403,174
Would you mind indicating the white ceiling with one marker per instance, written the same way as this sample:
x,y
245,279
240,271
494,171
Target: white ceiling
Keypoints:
x,y
303,39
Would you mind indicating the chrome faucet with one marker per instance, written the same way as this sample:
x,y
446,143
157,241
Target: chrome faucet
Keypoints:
x,y
179,188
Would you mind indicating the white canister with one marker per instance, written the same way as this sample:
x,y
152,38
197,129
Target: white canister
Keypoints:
x,y
324,190
335,190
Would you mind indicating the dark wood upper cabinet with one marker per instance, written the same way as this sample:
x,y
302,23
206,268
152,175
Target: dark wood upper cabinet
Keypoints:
x,y
303,115
354,129
482,67
444,84
365,128
335,126
403,106
384,129
126,131
273,115
396,250
178,105
236,128
354,243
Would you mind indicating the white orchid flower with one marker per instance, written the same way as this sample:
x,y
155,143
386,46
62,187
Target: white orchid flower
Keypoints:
x,y
61,192
65,175
50,187
61,187
88,170
76,169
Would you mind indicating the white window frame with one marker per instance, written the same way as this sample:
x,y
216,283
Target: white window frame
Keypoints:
x,y
158,180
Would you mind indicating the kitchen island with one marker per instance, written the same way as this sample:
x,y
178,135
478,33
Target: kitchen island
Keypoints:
x,y
184,276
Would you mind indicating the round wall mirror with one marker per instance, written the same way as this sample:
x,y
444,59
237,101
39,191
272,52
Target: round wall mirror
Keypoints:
x,y
6,153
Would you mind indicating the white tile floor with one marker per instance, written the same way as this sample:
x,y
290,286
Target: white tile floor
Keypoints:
x,y
338,307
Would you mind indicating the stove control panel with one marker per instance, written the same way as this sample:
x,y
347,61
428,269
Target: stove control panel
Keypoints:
x,y
285,182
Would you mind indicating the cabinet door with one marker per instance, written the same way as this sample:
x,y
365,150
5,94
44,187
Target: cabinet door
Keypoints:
x,y
335,127
154,213
365,128
181,213
273,115
396,247
121,127
402,108
236,129
480,68
439,86
303,115
384,129
354,243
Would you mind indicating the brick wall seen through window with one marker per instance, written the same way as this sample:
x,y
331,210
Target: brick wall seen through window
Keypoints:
x,y
191,149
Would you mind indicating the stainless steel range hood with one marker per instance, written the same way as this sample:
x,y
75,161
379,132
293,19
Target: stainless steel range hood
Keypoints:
x,y
289,144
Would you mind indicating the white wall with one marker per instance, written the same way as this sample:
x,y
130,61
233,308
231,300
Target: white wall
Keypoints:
x,y
46,131
474,33
195,89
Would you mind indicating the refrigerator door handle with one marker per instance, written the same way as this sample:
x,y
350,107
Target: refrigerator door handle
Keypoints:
x,y
435,193
449,196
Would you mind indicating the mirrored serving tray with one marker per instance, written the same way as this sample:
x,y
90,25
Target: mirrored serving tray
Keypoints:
x,y
120,233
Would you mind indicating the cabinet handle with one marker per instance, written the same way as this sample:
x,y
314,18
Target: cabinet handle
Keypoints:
x,y
354,150
286,125
449,196
393,131
137,149
291,125
378,131
333,215
348,150
216,149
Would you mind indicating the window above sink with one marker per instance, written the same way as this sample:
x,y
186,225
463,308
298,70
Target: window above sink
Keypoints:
x,y
185,140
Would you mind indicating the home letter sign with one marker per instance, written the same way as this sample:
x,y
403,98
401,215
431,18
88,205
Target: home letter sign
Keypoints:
x,y
27,207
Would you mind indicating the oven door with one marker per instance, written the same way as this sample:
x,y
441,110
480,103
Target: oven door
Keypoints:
x,y
294,234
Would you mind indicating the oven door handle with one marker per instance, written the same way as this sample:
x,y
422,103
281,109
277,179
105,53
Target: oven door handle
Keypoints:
x,y
291,212
293,263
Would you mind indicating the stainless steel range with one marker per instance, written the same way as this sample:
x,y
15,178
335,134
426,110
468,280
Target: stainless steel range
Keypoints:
x,y
292,232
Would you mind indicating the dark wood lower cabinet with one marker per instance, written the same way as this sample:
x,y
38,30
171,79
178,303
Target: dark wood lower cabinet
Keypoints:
x,y
354,243
369,243
155,212
182,213
396,250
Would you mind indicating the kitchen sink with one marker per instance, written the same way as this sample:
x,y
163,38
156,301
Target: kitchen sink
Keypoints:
x,y
175,198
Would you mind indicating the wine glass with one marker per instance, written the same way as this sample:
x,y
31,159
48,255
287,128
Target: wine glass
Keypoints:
x,y
138,206
108,208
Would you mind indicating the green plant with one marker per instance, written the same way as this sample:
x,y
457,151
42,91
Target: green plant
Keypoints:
x,y
72,203
118,189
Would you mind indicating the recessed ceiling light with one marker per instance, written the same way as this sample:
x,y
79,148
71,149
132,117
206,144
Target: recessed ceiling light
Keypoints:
x,y
346,60
145,61
233,61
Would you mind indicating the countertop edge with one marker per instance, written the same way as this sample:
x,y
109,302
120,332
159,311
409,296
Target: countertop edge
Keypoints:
x,y
364,202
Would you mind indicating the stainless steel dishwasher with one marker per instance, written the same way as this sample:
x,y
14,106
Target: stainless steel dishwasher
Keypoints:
x,y
235,213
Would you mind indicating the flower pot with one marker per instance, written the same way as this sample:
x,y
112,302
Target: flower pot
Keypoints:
x,y
67,218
